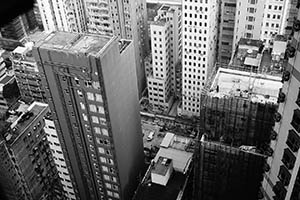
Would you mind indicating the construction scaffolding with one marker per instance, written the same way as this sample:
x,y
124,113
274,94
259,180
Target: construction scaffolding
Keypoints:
x,y
236,113
241,114
237,121
226,172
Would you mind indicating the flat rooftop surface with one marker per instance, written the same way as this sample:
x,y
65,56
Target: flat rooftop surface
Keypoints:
x,y
78,43
17,128
257,87
159,192
160,167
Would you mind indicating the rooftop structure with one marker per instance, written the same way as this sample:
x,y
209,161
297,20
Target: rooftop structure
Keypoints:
x,y
255,87
23,121
251,56
167,176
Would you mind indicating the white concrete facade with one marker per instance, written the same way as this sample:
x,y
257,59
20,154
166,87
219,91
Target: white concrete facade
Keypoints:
x,y
283,178
260,19
166,52
199,39
59,159
248,20
62,15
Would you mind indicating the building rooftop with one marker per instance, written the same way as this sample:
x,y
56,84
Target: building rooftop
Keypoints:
x,y
173,153
152,9
250,55
152,191
35,37
21,120
6,79
76,42
254,86
161,166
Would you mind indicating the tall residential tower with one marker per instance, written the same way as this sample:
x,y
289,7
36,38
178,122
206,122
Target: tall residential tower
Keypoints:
x,y
91,87
166,52
199,39
282,181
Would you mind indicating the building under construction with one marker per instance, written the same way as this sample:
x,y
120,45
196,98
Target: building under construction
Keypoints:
x,y
237,113
225,172
239,108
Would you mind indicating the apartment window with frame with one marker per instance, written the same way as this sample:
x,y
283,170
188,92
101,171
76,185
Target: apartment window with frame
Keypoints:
x,y
99,97
284,175
103,159
82,106
296,120
97,130
95,120
249,27
298,98
293,141
251,10
101,150
93,108
250,18
104,168
288,159
90,96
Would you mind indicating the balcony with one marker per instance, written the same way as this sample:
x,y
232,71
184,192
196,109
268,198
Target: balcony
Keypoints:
x,y
277,117
290,51
273,135
281,96
296,25
286,76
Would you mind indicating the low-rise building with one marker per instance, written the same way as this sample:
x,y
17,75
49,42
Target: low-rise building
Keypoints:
x,y
169,172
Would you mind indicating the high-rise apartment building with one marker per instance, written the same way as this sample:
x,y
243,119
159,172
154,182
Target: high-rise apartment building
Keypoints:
x,y
62,15
282,180
263,19
166,52
27,168
226,30
15,29
127,19
91,88
27,74
199,39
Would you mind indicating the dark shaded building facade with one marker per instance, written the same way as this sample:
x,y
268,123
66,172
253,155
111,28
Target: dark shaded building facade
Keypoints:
x,y
27,170
225,172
